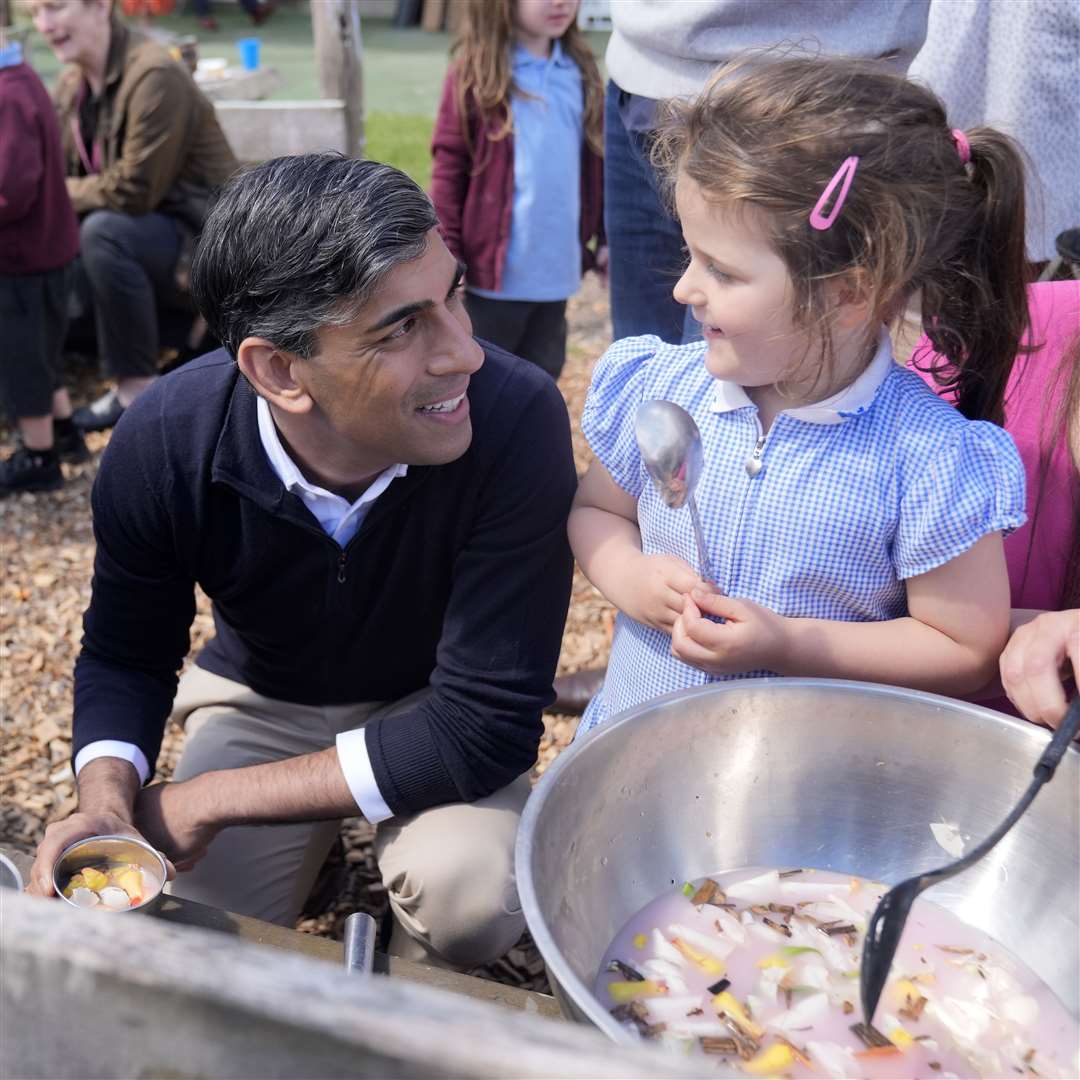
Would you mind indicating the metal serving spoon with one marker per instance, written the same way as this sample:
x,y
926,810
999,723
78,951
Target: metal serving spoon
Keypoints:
x,y
887,922
670,446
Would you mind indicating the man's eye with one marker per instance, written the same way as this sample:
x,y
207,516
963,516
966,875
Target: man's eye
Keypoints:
x,y
404,329
718,273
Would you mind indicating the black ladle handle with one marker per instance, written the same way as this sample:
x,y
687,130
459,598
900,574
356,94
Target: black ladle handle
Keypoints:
x,y
1066,732
887,922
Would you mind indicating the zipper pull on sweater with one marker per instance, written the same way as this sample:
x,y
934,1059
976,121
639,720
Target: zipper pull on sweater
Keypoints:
x,y
341,569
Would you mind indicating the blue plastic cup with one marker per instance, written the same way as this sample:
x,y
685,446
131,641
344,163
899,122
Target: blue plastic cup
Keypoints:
x,y
249,53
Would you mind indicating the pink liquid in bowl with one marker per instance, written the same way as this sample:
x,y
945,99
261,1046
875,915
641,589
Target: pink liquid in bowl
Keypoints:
x,y
774,991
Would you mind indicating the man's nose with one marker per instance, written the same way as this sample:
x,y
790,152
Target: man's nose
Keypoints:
x,y
457,351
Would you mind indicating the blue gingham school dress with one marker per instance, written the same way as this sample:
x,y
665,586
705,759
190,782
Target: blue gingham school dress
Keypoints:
x,y
825,517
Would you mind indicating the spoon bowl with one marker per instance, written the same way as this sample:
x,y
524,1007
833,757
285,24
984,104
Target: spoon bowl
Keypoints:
x,y
670,445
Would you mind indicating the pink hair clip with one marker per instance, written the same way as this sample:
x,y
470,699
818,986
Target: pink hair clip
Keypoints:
x,y
963,147
843,177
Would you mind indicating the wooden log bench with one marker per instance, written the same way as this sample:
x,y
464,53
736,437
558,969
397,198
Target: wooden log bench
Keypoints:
x,y
88,994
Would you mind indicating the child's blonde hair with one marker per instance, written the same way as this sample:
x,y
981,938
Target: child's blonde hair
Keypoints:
x,y
772,133
482,53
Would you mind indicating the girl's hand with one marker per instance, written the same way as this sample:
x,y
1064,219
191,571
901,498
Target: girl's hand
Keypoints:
x,y
752,638
1036,662
662,585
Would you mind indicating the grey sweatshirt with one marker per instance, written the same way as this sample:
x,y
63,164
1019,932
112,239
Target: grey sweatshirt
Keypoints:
x,y
668,48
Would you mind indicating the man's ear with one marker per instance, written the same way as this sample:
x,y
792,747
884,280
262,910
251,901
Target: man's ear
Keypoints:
x,y
272,372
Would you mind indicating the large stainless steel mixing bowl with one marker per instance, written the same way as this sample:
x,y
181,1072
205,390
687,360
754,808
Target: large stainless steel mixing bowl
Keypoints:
x,y
797,772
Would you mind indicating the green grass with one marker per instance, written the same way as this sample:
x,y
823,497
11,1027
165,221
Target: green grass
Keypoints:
x,y
401,141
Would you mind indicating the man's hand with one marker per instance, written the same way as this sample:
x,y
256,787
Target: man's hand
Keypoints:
x,y
1036,662
752,638
61,834
171,818
107,789
662,583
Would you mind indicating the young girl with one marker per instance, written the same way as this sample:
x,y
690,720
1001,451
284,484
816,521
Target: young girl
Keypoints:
x,y
854,520
517,178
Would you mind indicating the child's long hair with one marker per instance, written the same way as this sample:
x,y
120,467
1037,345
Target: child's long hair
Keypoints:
x,y
482,53
772,134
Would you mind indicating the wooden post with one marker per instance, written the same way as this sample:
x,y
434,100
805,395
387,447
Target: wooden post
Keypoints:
x,y
339,59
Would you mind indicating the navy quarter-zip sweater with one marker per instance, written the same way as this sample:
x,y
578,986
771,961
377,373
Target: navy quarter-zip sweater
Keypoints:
x,y
459,579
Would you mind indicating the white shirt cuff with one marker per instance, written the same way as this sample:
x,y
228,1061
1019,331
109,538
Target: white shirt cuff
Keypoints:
x,y
356,765
114,748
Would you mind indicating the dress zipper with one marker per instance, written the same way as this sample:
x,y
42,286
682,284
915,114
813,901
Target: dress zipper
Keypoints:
x,y
753,467
341,567
753,462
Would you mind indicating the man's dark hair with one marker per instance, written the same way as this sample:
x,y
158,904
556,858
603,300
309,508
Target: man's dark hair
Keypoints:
x,y
301,242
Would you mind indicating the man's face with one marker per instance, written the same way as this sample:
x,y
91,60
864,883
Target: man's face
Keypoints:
x,y
391,385
75,30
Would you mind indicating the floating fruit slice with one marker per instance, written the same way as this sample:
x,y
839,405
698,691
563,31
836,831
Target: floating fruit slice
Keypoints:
x,y
94,879
622,992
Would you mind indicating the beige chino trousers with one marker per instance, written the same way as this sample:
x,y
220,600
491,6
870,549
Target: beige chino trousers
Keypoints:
x,y
448,871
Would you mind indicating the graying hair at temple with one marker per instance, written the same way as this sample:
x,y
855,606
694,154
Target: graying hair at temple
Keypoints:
x,y
302,242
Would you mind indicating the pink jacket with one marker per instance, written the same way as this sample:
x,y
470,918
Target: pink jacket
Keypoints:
x,y
1036,554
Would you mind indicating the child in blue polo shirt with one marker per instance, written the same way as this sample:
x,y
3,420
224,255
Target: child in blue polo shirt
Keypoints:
x,y
517,176
853,520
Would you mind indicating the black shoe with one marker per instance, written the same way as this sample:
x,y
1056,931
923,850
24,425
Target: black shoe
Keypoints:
x,y
30,470
99,415
68,442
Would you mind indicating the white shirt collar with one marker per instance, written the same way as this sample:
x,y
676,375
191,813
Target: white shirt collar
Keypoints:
x,y
852,400
333,512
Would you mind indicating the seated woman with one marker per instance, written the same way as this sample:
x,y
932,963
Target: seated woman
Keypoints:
x,y
1038,402
143,153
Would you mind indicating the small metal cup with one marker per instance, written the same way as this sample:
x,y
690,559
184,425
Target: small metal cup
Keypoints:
x,y
10,878
98,850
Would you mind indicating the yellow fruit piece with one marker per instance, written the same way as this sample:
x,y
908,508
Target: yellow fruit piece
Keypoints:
x,y
726,1002
77,882
899,1037
94,879
635,988
130,880
771,1062
774,960
709,964
640,941
68,891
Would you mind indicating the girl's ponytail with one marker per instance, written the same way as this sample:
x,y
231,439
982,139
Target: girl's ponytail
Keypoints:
x,y
974,304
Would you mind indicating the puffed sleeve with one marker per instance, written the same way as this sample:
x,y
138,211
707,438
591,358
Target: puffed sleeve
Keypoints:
x,y
970,484
607,421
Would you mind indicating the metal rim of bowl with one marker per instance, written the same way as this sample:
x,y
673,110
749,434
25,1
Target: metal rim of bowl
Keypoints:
x,y
150,850
13,870
558,967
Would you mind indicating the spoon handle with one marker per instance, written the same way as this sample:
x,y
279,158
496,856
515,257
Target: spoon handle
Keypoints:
x,y
704,567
